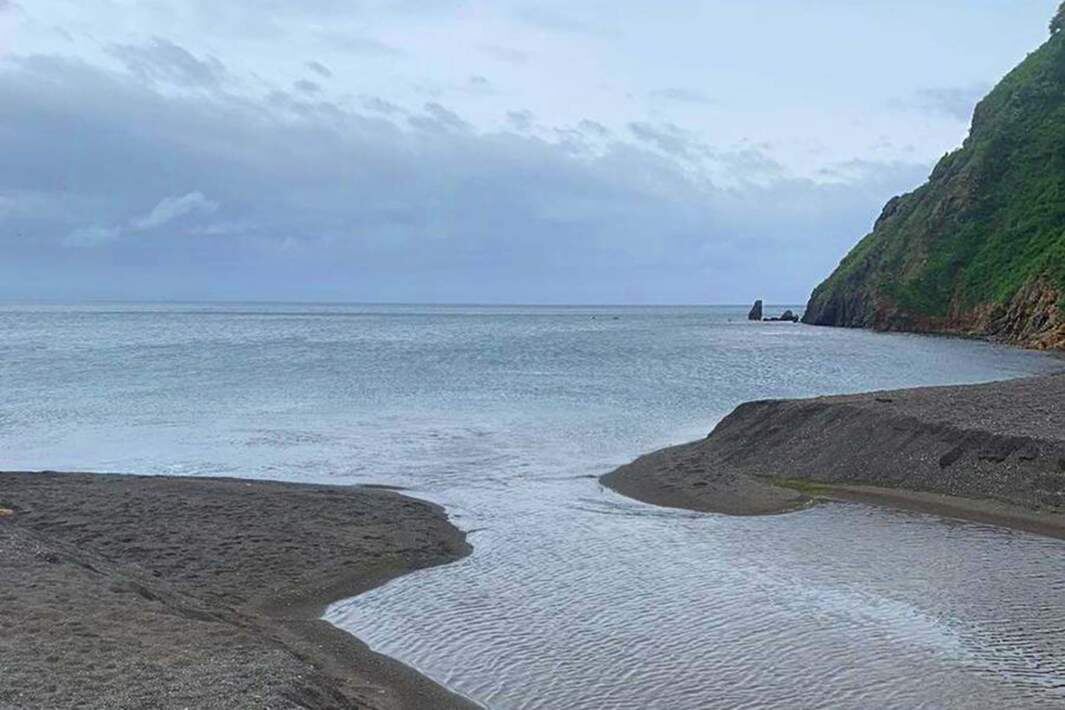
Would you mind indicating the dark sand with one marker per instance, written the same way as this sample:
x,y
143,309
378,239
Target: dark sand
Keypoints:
x,y
993,453
164,592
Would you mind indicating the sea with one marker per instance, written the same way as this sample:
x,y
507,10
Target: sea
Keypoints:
x,y
574,596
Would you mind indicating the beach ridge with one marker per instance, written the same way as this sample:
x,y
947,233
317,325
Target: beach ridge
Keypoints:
x,y
991,452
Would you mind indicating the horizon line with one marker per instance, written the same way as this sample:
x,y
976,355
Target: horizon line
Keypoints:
x,y
499,304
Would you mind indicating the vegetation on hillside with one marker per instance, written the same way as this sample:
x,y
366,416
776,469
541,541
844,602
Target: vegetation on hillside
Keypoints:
x,y
1057,23
990,220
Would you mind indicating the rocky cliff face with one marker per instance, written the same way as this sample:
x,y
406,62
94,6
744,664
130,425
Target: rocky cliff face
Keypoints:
x,y
980,248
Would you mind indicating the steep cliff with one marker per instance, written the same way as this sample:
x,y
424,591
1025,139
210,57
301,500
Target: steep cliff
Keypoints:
x,y
980,248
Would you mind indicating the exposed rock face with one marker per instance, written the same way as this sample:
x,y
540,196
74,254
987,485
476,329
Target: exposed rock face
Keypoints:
x,y
756,311
980,248
1032,318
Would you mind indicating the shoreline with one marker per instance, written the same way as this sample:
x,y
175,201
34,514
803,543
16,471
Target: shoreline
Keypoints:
x,y
988,512
991,453
171,591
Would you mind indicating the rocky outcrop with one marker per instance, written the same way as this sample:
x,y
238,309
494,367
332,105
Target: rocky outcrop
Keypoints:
x,y
1032,318
787,315
756,311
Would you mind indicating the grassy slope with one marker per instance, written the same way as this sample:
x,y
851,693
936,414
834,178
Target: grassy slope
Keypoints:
x,y
990,218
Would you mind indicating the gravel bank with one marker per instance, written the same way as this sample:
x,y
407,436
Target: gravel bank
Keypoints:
x,y
993,452
133,592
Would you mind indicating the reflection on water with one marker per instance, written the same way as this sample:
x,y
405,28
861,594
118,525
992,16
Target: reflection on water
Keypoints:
x,y
574,596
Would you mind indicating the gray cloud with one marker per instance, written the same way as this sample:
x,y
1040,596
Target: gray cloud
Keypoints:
x,y
309,200
593,128
357,44
439,118
478,85
687,96
379,105
162,61
63,33
508,55
306,86
521,120
669,139
320,69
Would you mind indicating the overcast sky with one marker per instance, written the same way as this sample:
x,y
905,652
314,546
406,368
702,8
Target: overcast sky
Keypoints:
x,y
495,151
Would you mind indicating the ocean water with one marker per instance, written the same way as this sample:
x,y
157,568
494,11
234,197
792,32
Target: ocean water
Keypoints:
x,y
574,597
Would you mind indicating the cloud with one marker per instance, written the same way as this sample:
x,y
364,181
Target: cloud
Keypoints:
x,y
92,236
439,118
687,96
320,69
547,19
161,61
477,85
954,102
63,33
306,86
668,138
337,203
593,128
508,55
165,211
520,120
357,44
171,208
379,105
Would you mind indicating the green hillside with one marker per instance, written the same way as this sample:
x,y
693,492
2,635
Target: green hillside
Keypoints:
x,y
979,248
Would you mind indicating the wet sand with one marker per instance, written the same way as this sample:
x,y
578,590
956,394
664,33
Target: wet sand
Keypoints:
x,y
171,592
992,453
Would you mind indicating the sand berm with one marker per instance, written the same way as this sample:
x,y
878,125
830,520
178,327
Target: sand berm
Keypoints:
x,y
167,592
993,453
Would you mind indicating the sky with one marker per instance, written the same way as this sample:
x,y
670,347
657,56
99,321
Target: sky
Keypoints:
x,y
485,151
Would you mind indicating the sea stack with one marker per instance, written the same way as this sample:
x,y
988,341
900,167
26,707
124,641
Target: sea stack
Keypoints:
x,y
756,311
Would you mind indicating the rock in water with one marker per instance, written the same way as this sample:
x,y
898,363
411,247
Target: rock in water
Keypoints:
x,y
756,311
787,315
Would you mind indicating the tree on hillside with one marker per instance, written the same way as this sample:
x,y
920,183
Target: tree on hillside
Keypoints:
x,y
1058,23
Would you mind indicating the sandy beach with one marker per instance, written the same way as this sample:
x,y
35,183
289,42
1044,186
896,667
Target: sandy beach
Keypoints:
x,y
168,592
992,453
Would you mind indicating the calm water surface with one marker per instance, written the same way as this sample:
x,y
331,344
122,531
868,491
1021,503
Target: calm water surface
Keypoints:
x,y
574,597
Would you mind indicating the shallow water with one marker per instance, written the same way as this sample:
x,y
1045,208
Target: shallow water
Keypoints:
x,y
574,596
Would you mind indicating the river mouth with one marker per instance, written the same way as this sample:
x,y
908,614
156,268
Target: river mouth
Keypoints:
x,y
607,602
574,596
